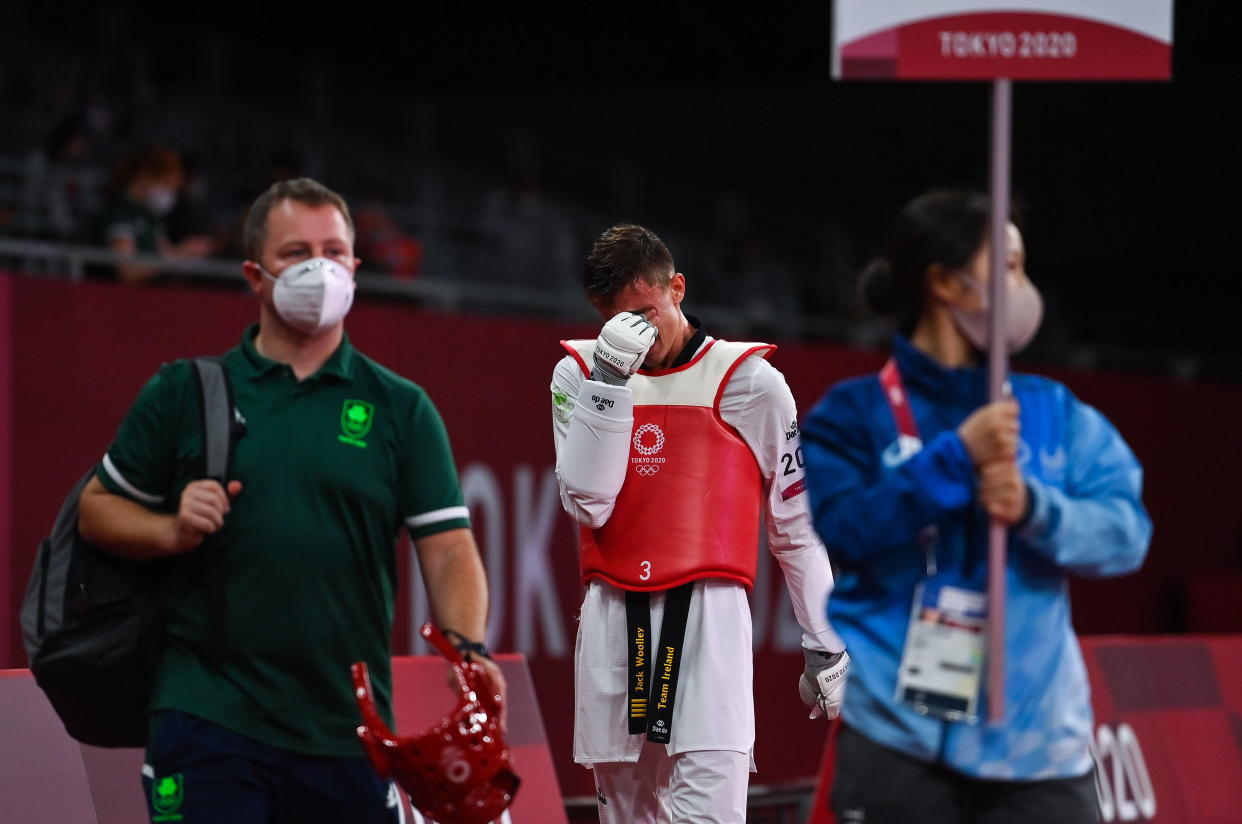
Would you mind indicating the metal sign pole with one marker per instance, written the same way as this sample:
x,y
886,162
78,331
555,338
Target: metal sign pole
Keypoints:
x,y
998,374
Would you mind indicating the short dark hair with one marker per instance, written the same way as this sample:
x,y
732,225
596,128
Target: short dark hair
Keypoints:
x,y
299,189
622,255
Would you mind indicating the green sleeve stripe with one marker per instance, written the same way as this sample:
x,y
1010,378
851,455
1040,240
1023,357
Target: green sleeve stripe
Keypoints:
x,y
115,475
446,514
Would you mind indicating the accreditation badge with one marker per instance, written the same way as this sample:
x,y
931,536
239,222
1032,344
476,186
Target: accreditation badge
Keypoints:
x,y
942,664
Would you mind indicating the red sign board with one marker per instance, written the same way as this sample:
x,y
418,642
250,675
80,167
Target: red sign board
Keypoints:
x,y
1033,40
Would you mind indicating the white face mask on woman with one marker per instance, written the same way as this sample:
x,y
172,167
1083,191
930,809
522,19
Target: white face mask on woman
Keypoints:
x,y
1024,309
160,200
313,295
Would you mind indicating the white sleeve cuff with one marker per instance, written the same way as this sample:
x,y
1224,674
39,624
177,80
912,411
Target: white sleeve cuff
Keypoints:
x,y
611,408
591,463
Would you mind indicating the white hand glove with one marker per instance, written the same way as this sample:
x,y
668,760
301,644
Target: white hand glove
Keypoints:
x,y
622,347
822,683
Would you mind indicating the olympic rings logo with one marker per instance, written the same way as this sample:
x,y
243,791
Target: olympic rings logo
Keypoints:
x,y
647,470
644,449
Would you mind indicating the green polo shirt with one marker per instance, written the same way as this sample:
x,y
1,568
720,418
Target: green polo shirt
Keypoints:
x,y
331,467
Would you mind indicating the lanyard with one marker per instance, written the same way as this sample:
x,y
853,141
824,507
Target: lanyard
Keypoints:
x,y
941,664
898,400
899,404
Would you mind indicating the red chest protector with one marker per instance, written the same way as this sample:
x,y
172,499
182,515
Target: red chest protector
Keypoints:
x,y
690,505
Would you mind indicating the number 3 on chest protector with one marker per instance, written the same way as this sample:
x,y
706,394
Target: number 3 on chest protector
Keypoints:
x,y
646,570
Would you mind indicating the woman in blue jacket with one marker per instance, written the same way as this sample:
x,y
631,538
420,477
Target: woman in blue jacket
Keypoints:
x,y
904,470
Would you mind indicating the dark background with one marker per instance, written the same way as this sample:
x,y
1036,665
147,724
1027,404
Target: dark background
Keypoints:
x,y
1129,189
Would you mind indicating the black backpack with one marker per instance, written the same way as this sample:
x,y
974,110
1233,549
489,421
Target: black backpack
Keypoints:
x,y
92,622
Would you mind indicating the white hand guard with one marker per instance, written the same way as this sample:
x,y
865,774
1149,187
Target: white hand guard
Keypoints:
x,y
622,347
822,683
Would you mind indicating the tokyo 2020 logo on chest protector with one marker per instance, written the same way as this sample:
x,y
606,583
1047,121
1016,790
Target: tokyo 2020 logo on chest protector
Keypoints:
x,y
648,441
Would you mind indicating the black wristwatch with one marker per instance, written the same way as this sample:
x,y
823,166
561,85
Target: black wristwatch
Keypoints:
x,y
465,646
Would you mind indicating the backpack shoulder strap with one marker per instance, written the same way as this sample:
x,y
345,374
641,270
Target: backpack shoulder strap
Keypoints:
x,y
216,395
219,430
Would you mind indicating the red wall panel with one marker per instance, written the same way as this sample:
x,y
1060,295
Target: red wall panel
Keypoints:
x,y
77,354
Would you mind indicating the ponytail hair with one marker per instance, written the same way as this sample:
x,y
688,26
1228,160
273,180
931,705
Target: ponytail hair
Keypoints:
x,y
943,226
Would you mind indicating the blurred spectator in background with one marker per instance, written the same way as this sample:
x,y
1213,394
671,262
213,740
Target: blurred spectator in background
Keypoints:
x,y
384,245
831,287
283,163
528,239
55,192
766,289
142,190
191,215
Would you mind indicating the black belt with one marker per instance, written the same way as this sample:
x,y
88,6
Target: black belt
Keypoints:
x,y
653,674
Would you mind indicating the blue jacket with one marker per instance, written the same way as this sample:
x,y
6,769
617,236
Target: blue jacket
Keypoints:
x,y
871,499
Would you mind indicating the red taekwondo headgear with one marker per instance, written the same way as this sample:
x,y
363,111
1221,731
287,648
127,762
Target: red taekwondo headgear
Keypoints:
x,y
458,771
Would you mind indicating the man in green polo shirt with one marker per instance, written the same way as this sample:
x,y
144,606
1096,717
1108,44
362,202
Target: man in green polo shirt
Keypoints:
x,y
338,454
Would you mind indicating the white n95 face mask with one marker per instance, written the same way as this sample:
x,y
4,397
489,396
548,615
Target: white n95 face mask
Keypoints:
x,y
313,295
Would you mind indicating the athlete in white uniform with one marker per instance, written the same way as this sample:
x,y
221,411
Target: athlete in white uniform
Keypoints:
x,y
701,774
